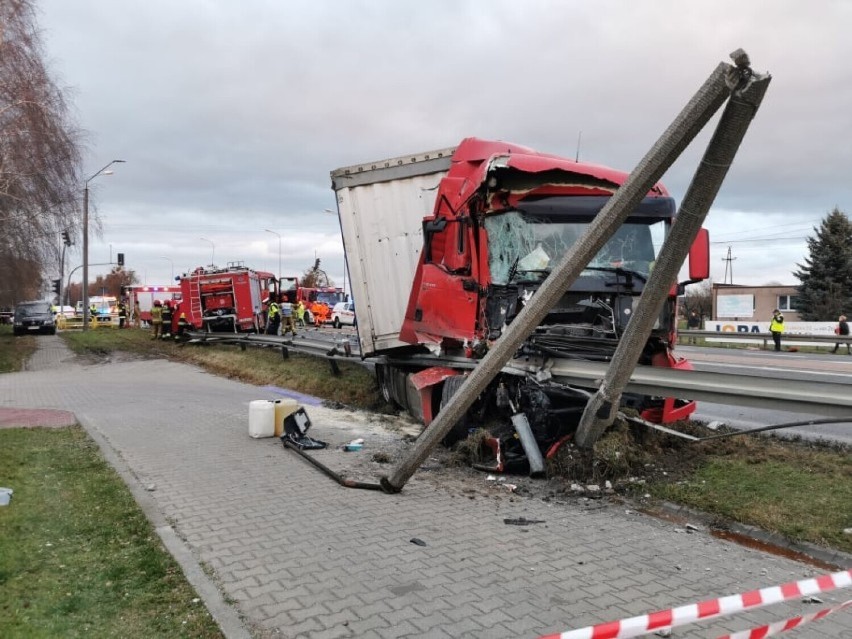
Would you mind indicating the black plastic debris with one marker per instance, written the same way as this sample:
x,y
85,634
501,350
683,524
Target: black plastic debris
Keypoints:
x,y
296,427
522,521
417,542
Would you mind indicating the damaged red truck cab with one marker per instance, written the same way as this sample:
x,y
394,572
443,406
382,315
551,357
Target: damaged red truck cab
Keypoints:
x,y
501,216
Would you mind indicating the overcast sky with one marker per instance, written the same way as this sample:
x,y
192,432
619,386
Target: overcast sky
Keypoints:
x,y
231,115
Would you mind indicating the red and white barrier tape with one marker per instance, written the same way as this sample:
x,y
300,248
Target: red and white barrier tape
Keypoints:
x,y
723,606
778,627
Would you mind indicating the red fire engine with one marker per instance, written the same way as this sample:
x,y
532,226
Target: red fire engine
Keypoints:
x,y
318,301
146,295
225,299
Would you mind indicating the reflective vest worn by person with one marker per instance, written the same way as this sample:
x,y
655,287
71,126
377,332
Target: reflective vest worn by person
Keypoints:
x,y
287,317
777,323
273,317
776,327
320,312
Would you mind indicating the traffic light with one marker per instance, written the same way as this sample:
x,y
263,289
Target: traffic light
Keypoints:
x,y
66,239
57,285
121,259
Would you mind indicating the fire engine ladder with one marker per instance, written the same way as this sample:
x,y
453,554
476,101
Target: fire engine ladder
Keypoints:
x,y
195,296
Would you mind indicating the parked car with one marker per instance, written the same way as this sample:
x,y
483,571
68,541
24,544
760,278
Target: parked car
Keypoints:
x,y
65,311
34,317
343,313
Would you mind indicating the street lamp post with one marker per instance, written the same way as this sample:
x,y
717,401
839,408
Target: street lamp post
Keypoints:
x,y
103,171
163,257
212,253
279,250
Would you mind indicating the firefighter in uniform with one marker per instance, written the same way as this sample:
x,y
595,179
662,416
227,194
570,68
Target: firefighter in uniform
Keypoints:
x,y
167,319
137,315
300,313
122,314
157,318
288,317
182,327
273,316
93,312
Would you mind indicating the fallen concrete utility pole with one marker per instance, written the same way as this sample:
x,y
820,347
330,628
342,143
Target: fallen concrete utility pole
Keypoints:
x,y
648,172
601,410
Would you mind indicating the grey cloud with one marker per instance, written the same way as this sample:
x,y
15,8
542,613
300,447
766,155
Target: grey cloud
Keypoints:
x,y
231,115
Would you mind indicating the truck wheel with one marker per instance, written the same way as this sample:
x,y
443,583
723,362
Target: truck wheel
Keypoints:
x,y
459,431
337,323
383,379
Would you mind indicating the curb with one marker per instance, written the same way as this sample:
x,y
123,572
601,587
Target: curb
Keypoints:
x,y
773,542
225,615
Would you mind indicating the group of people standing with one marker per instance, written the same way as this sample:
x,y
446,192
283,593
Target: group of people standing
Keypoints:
x,y
162,320
776,327
282,314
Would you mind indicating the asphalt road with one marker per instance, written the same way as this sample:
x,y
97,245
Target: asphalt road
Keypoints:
x,y
804,366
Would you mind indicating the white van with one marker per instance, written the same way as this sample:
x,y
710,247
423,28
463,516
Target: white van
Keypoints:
x,y
343,313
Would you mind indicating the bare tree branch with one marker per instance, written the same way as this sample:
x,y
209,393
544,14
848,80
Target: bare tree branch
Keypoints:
x,y
39,159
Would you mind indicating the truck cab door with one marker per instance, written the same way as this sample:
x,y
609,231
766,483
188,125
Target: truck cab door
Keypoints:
x,y
448,296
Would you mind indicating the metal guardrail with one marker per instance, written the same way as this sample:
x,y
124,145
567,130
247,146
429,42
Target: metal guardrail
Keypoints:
x,y
339,348
828,399
812,397
685,335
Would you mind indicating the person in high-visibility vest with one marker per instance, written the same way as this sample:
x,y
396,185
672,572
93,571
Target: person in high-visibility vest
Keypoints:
x,y
300,313
273,316
287,317
157,318
776,327
320,312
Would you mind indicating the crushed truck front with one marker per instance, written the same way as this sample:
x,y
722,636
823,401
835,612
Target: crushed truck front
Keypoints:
x,y
445,248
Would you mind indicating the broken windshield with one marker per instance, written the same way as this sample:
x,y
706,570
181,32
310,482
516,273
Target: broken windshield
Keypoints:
x,y
524,247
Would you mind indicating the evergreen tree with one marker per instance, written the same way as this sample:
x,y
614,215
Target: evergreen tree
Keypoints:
x,y
826,276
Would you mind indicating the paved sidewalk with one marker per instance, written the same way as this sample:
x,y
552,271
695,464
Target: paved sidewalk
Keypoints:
x,y
302,556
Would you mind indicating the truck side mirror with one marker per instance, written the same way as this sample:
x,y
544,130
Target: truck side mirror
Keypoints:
x,y
430,229
699,257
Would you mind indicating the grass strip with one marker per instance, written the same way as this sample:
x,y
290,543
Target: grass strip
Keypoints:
x,y
77,556
356,386
14,351
800,491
